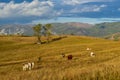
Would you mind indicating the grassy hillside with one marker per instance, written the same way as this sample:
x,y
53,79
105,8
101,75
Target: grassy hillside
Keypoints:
x,y
71,28
104,29
14,51
115,37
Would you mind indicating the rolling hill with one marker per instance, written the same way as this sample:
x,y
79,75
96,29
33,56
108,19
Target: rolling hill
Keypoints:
x,y
58,28
73,28
104,29
115,37
15,51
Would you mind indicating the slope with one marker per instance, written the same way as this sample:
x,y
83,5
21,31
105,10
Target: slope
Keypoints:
x,y
14,51
104,29
115,37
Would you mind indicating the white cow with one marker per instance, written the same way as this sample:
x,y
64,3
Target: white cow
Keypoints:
x,y
28,66
33,64
92,54
25,67
88,49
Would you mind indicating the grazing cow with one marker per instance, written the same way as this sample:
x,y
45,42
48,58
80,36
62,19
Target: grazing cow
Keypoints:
x,y
39,59
28,66
63,55
25,67
69,57
92,54
33,64
88,49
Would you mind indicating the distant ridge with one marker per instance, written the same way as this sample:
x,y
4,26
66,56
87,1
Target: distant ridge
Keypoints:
x,y
77,24
70,28
115,36
75,28
104,29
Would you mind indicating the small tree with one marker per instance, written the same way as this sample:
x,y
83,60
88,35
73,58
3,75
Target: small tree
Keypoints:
x,y
37,31
48,31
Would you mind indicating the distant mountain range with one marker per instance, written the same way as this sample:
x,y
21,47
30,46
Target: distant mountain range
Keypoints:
x,y
16,29
104,29
73,28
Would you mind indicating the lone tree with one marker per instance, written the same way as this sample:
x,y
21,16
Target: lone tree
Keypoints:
x,y
37,32
48,33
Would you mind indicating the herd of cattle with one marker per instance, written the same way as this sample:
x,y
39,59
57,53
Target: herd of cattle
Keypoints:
x,y
30,65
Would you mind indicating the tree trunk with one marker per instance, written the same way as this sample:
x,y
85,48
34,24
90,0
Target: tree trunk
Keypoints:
x,y
39,40
48,38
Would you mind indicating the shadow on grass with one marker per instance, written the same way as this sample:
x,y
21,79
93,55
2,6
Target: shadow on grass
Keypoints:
x,y
53,40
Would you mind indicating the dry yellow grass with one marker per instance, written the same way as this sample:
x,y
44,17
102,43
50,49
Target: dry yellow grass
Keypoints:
x,y
14,51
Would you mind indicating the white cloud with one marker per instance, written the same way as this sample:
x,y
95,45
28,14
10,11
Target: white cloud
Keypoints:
x,y
118,9
27,9
76,2
27,12
90,8
71,2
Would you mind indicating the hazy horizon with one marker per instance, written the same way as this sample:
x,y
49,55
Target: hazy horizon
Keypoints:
x,y
81,20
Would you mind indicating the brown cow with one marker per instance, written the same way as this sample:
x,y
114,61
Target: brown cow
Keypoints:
x,y
70,57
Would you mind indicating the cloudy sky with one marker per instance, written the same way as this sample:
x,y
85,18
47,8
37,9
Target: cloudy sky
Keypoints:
x,y
44,11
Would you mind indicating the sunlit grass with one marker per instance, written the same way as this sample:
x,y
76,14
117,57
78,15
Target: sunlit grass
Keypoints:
x,y
14,51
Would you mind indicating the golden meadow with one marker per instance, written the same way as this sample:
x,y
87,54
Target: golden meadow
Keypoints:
x,y
14,51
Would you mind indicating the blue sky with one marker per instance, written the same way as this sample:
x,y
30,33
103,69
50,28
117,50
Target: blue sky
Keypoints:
x,y
47,11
